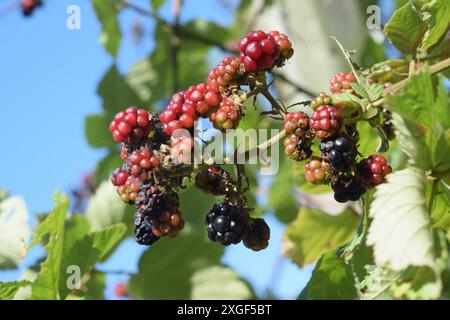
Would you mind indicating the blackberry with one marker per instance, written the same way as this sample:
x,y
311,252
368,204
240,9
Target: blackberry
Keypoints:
x,y
296,148
259,51
372,170
348,189
296,122
325,121
258,235
227,224
341,81
317,171
225,74
168,223
143,230
286,51
227,116
340,152
213,180
320,100
131,126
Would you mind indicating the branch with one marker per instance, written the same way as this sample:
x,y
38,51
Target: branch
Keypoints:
x,y
435,68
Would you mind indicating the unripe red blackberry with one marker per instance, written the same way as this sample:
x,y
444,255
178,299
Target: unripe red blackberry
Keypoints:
x,y
168,223
203,98
258,235
282,40
325,121
177,115
129,191
320,100
297,148
142,160
227,224
224,73
341,81
143,230
121,290
259,51
372,170
317,171
119,177
213,180
131,126
339,151
296,122
347,188
150,200
227,116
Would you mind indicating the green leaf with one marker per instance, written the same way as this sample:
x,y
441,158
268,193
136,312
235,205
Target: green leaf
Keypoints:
x,y
116,93
47,282
417,283
156,4
76,227
376,285
359,89
411,141
415,101
332,279
9,289
406,29
219,283
105,208
166,269
436,15
87,251
400,230
14,231
375,91
96,285
106,11
441,152
315,232
97,132
141,78
440,211
281,195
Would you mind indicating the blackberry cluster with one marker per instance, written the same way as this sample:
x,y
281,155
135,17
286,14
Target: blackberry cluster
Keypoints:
x,y
340,151
260,51
131,126
258,235
227,117
317,171
341,81
227,224
225,74
298,142
348,188
325,121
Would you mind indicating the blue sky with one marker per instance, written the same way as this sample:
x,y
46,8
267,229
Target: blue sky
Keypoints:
x,y
48,81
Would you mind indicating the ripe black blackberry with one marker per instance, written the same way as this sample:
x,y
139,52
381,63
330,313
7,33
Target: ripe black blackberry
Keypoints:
x,y
348,189
143,230
339,151
258,235
227,224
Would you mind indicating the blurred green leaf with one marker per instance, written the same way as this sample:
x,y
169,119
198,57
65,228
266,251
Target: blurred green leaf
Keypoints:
x,y
105,208
219,283
281,195
436,15
14,231
97,132
76,227
332,279
87,251
116,93
46,284
96,285
156,4
315,232
106,11
440,211
9,289
406,29
376,285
